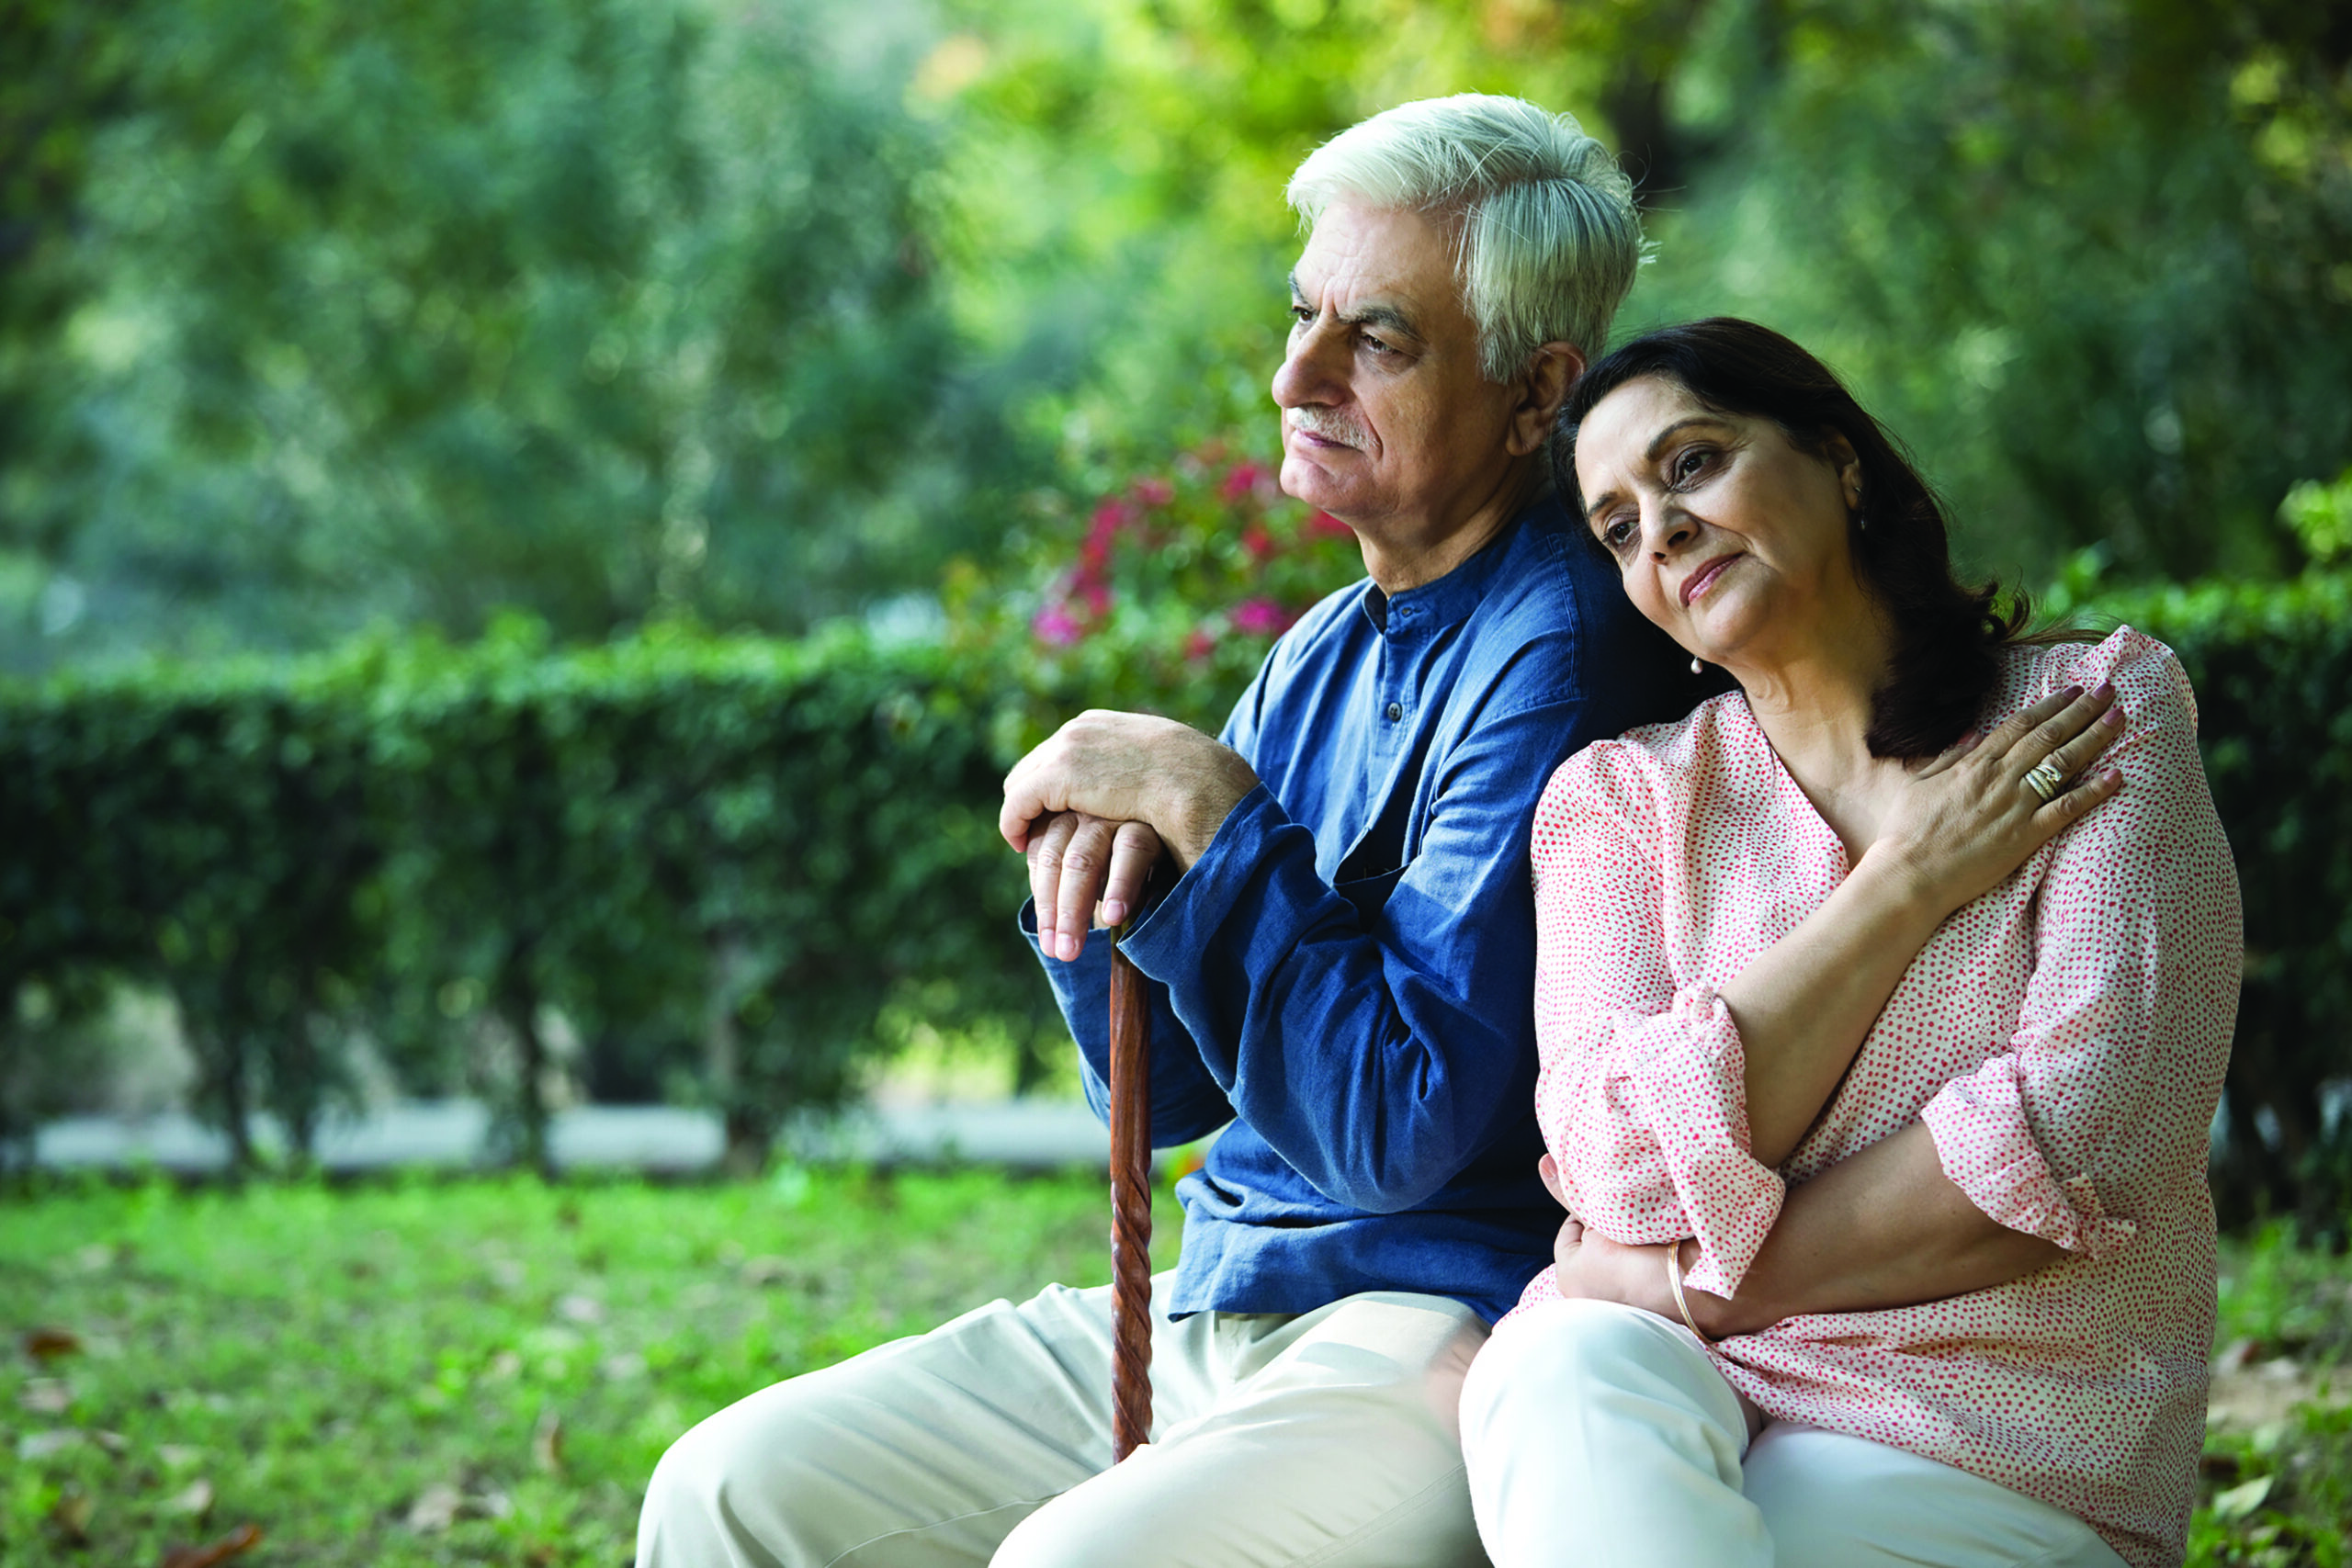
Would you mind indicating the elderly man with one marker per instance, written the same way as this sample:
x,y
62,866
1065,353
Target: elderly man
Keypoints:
x,y
1341,952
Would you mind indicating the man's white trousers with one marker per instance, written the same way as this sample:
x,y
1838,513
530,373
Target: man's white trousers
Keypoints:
x,y
1328,1439
1601,1437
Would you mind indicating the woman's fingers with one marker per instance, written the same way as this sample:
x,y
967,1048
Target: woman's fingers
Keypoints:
x,y
2077,755
2051,733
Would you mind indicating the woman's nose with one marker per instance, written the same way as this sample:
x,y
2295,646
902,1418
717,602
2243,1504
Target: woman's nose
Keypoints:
x,y
1669,529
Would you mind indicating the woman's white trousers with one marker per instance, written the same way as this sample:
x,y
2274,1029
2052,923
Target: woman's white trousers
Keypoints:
x,y
1599,1435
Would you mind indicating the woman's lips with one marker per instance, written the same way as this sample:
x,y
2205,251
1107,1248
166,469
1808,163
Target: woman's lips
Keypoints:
x,y
1697,583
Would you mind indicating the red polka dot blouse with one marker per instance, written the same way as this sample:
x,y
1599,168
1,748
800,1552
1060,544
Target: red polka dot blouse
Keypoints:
x,y
2063,1037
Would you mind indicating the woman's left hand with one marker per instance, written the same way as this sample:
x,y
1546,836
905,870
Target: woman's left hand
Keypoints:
x,y
1590,1266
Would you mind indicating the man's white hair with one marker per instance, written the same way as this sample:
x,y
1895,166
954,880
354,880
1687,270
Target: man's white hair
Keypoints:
x,y
1546,238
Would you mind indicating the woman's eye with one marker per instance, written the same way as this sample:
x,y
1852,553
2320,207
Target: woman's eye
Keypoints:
x,y
1616,531
1689,463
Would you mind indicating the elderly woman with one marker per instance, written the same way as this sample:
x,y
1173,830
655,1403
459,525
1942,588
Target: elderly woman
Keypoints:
x,y
1883,1005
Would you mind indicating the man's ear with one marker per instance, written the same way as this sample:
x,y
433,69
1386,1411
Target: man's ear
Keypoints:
x,y
1542,388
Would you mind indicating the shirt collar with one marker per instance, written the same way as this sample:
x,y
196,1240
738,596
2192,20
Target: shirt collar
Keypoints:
x,y
1451,598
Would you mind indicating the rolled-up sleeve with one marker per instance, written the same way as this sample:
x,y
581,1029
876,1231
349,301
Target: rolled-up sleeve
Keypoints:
x,y
2100,1107
1642,1097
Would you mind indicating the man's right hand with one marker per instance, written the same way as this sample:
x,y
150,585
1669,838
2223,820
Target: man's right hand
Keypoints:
x,y
1086,870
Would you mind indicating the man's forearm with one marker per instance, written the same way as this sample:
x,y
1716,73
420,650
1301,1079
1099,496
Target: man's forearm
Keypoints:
x,y
1882,1228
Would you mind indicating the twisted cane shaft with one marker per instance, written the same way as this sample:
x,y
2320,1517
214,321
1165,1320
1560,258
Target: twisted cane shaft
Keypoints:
x,y
1130,1210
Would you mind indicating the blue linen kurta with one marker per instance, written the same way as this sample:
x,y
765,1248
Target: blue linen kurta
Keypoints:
x,y
1346,975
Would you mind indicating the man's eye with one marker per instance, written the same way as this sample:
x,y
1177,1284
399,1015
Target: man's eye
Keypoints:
x,y
1376,346
1300,315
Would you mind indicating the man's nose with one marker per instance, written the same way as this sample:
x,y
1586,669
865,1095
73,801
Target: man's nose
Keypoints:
x,y
1309,374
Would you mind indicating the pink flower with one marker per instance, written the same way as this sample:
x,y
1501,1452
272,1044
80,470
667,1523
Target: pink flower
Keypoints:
x,y
1257,542
1243,479
1261,618
1200,645
1108,519
1096,595
1153,492
1055,626
1329,527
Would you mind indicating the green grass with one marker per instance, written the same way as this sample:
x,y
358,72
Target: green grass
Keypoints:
x,y
325,1358
322,1360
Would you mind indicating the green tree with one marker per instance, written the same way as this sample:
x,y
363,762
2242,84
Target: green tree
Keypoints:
x,y
419,310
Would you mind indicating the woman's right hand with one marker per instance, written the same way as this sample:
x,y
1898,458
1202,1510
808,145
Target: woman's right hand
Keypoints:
x,y
1969,818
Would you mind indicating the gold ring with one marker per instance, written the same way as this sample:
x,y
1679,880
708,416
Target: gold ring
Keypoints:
x,y
2045,780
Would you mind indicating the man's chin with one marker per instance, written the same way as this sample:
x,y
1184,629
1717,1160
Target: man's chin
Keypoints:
x,y
1311,482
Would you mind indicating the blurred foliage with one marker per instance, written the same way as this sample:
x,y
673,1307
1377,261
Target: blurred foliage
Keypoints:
x,y
706,868
315,316
419,310
1178,584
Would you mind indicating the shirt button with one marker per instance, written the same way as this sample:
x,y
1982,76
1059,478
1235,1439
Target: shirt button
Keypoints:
x,y
1395,712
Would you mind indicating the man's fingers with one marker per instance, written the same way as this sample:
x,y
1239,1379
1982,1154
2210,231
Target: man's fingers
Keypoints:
x,y
1134,848
1086,864
1045,856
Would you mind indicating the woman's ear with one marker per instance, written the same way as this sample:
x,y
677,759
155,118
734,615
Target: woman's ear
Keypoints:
x,y
1846,464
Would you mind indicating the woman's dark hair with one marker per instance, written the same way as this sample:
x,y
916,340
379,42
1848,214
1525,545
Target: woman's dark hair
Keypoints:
x,y
1948,634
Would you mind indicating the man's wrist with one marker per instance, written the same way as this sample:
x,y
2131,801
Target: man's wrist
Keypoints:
x,y
1197,814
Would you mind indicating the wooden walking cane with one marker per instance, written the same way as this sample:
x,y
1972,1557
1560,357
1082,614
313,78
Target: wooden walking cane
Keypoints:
x,y
1130,1207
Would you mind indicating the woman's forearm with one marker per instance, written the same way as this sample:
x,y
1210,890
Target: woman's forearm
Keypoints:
x,y
1804,1006
1882,1228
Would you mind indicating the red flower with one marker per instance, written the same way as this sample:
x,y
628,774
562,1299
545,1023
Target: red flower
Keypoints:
x,y
1257,542
1243,479
1153,492
1200,645
1329,527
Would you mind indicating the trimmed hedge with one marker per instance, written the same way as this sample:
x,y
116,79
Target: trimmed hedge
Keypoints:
x,y
715,859
712,860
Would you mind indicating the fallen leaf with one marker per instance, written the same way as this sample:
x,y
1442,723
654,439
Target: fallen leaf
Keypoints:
x,y
114,1443
178,1455
196,1501
41,1445
489,1505
2240,1501
582,1309
243,1538
46,1345
546,1443
47,1396
505,1367
71,1515
436,1509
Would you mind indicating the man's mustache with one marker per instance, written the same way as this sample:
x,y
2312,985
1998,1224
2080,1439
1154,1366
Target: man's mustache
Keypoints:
x,y
1329,426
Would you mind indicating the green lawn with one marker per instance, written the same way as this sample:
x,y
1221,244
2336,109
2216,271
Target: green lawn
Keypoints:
x,y
485,1370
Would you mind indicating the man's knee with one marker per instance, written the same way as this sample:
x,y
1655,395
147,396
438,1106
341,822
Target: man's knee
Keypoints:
x,y
693,1501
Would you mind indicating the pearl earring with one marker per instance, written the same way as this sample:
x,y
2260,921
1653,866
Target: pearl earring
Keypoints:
x,y
1697,668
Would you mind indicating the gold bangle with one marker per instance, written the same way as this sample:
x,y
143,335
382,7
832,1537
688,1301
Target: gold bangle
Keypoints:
x,y
1674,1283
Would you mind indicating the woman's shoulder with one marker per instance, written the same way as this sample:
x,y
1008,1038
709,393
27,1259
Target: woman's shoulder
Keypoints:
x,y
2148,675
1636,771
